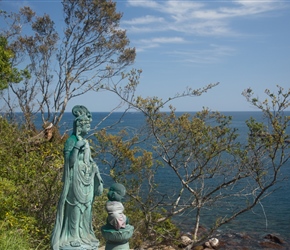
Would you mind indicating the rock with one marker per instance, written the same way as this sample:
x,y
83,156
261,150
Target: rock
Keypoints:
x,y
198,248
168,248
185,240
207,244
270,245
274,239
214,242
162,247
145,245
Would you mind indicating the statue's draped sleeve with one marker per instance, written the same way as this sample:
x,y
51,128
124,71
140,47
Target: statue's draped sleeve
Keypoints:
x,y
68,148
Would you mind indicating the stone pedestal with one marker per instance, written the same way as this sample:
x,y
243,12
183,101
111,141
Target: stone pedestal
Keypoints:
x,y
117,239
81,247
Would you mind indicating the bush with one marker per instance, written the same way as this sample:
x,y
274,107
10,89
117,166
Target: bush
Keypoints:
x,y
30,174
13,239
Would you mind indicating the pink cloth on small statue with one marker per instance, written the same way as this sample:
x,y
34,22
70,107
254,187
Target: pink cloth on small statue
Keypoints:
x,y
116,218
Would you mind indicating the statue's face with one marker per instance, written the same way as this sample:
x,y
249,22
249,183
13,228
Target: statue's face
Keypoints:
x,y
85,128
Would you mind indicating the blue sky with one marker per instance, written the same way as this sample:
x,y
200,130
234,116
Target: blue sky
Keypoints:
x,y
239,43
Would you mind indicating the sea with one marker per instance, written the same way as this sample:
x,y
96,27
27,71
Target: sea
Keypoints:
x,y
272,215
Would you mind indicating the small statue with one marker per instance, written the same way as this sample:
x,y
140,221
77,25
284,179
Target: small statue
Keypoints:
x,y
82,182
117,231
114,207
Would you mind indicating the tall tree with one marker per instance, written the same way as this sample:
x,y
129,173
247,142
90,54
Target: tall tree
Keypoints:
x,y
5,66
91,49
8,74
211,166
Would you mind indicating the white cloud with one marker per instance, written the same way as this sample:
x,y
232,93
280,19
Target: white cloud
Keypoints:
x,y
163,40
180,9
213,54
180,14
186,21
144,4
144,44
145,29
238,10
144,20
205,28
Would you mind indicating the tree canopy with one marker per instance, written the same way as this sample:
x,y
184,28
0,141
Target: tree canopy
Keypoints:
x,y
90,50
8,74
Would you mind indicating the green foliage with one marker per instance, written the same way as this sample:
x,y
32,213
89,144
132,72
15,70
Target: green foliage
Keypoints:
x,y
8,73
128,163
30,174
100,215
132,166
164,232
268,142
8,192
5,65
13,239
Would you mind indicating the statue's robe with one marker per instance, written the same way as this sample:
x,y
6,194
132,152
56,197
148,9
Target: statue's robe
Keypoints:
x,y
82,182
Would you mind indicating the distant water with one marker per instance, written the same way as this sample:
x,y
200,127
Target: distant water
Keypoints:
x,y
276,206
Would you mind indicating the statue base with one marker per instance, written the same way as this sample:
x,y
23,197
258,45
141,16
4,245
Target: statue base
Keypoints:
x,y
117,246
117,239
85,247
81,247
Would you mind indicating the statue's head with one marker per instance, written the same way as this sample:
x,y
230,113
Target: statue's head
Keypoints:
x,y
116,192
83,119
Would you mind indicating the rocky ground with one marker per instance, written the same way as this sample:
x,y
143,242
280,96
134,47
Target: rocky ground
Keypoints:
x,y
243,241
229,241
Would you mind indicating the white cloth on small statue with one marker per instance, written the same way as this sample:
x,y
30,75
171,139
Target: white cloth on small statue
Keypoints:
x,y
116,218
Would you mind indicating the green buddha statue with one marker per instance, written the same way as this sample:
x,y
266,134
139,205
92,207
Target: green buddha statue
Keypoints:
x,y
82,182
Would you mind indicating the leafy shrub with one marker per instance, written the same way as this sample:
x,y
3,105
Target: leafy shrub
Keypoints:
x,y
30,174
13,239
